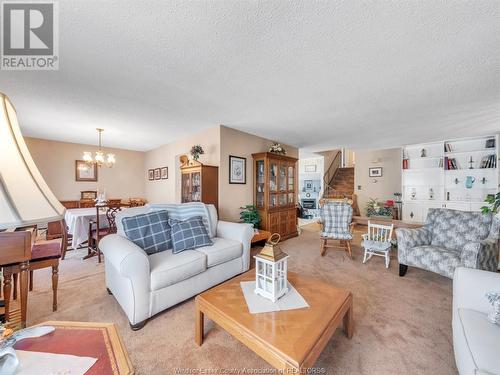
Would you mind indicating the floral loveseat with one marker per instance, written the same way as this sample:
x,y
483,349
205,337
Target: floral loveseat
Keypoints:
x,y
450,239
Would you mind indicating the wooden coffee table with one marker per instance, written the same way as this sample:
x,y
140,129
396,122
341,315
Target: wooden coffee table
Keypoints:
x,y
291,339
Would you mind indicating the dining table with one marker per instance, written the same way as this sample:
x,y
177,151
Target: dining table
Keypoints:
x,y
78,220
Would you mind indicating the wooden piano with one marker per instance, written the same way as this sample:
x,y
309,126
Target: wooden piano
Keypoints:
x,y
15,251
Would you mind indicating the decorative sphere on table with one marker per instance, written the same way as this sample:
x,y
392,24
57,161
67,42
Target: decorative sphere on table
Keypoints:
x,y
271,270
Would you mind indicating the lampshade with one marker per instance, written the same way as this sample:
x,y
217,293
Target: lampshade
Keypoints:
x,y
25,197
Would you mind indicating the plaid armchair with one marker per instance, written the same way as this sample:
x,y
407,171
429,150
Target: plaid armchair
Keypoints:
x,y
450,239
335,220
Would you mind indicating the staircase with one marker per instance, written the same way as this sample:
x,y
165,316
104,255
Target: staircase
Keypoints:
x,y
339,182
343,181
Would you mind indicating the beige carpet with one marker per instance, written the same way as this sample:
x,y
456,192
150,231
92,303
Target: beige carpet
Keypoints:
x,y
402,325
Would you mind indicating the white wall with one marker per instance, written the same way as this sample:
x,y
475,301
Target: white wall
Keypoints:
x,y
238,143
56,162
383,187
169,190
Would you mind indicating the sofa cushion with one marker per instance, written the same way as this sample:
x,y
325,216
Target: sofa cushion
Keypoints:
x,y
184,211
168,268
150,231
433,258
482,340
189,234
223,250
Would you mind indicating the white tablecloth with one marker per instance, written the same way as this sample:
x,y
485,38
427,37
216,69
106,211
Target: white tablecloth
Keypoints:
x,y
78,219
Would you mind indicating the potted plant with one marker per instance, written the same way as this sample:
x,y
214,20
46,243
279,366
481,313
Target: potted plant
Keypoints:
x,y
375,208
492,204
196,151
250,215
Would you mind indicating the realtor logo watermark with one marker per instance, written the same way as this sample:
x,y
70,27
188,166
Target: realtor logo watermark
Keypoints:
x,y
30,35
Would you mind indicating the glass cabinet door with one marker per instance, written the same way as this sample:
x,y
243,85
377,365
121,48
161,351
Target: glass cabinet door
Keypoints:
x,y
291,178
282,177
291,185
273,176
186,188
260,184
195,187
273,200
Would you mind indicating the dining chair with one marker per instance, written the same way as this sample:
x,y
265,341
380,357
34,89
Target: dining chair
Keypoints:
x,y
96,232
336,224
43,255
378,242
67,239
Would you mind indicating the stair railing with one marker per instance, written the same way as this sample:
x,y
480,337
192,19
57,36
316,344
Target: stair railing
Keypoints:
x,y
331,172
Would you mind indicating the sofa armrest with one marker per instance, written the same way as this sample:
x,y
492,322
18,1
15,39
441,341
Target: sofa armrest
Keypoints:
x,y
470,287
481,254
239,232
410,238
126,257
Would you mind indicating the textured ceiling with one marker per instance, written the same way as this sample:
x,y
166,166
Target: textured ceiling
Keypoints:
x,y
312,74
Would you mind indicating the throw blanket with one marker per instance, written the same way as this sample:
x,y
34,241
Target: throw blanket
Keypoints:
x,y
185,211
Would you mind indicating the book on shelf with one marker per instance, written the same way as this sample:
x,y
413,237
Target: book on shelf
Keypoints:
x,y
447,147
450,164
489,161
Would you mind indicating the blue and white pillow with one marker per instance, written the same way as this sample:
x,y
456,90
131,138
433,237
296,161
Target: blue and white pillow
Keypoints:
x,y
188,234
151,231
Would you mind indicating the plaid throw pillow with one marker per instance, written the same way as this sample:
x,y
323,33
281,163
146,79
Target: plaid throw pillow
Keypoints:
x,y
189,234
151,231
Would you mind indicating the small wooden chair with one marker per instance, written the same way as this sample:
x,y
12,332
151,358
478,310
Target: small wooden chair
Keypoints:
x,y
336,224
378,242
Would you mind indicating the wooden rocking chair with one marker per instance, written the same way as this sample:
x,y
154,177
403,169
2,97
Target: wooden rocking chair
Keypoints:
x,y
336,224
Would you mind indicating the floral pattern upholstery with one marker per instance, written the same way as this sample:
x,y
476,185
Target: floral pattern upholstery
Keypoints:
x,y
450,239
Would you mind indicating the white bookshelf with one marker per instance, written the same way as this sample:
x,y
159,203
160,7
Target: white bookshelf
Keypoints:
x,y
427,181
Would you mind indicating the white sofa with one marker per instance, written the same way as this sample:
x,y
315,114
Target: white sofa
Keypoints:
x,y
476,341
146,285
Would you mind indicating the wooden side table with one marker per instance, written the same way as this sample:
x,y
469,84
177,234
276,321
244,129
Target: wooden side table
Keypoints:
x,y
262,235
86,339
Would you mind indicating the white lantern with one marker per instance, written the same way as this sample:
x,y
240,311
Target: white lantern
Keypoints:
x,y
270,271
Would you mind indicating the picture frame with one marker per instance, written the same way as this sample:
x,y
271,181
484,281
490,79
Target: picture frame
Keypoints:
x,y
157,173
151,174
311,168
237,170
164,173
375,172
85,172
88,195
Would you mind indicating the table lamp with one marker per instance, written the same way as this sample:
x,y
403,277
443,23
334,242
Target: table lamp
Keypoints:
x,y
25,198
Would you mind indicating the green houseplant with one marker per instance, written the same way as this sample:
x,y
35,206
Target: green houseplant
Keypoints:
x,y
492,203
250,215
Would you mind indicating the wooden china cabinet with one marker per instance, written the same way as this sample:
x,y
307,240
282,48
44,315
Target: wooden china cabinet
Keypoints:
x,y
275,193
200,183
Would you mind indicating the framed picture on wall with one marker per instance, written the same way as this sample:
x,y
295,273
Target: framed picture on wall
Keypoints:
x,y
237,170
310,168
157,173
164,173
85,172
375,172
151,174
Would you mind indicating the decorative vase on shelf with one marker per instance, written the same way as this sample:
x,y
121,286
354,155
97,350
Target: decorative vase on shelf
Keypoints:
x,y
413,193
431,193
423,153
